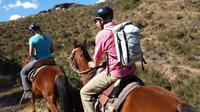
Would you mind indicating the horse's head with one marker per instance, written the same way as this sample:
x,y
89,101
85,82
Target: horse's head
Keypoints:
x,y
78,60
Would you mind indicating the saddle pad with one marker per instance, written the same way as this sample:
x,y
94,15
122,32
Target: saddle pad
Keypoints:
x,y
32,74
111,93
109,104
130,87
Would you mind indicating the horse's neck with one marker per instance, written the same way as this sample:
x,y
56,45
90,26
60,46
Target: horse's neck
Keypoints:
x,y
85,77
83,64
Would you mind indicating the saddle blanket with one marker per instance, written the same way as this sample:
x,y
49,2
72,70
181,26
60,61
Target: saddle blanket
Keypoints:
x,y
114,104
32,74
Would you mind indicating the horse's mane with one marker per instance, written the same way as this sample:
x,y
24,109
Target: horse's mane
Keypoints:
x,y
85,52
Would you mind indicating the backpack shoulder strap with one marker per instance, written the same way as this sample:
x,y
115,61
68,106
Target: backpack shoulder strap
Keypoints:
x,y
109,28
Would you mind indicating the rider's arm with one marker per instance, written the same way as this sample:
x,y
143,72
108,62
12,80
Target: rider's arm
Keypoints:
x,y
31,51
99,49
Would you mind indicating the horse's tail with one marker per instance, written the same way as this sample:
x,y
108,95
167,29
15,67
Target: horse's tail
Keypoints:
x,y
63,93
185,108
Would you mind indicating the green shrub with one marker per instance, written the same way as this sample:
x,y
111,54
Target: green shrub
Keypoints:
x,y
130,4
153,77
179,33
163,36
171,35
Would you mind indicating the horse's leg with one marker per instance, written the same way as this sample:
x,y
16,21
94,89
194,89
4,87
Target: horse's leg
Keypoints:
x,y
51,103
47,105
33,102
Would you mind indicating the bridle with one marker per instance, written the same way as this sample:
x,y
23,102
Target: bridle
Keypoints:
x,y
71,60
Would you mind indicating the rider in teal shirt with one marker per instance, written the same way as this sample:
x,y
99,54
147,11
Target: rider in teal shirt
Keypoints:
x,y
40,47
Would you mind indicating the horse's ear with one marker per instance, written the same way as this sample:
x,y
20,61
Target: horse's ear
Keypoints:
x,y
75,42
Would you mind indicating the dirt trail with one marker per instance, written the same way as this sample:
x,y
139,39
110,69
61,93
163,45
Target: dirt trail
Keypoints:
x,y
170,70
192,70
168,67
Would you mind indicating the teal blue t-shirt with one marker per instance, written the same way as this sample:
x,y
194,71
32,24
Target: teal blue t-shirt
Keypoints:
x,y
42,46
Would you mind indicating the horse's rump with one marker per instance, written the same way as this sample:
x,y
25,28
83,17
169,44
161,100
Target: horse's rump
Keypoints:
x,y
151,99
49,72
45,78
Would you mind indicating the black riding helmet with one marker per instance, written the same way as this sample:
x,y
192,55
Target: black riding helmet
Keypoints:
x,y
105,12
34,27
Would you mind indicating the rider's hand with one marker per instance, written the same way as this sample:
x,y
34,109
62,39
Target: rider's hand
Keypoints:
x,y
91,64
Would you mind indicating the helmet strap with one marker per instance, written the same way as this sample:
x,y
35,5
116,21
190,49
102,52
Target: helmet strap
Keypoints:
x,y
102,24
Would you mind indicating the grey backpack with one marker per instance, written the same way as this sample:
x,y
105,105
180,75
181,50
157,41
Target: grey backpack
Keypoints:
x,y
127,42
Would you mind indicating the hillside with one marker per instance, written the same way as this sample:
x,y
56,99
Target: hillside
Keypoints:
x,y
170,39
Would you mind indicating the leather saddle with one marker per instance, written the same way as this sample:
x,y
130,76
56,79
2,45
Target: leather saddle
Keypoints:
x,y
38,66
112,92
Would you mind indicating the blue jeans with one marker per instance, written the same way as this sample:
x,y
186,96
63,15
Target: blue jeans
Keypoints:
x,y
24,72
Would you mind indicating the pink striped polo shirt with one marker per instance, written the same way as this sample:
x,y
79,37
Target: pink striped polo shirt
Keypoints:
x,y
105,44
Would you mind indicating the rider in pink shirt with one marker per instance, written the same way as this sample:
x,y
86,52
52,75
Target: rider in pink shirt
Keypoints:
x,y
104,45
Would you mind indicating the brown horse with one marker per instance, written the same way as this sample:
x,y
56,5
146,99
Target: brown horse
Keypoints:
x,y
142,99
51,83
